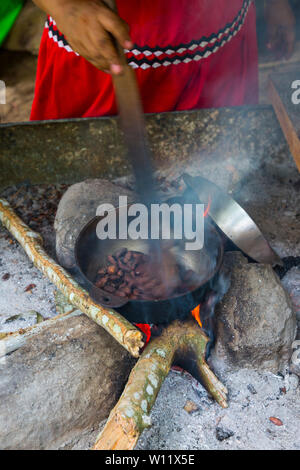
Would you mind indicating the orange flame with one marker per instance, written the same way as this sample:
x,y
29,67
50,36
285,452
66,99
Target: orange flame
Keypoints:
x,y
196,315
206,212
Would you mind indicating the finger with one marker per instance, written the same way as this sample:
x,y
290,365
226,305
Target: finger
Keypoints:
x,y
99,62
100,65
77,46
95,51
91,56
116,26
103,48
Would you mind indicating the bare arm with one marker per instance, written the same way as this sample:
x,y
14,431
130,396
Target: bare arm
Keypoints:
x,y
88,26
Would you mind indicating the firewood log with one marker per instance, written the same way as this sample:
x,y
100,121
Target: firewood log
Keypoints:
x,y
183,342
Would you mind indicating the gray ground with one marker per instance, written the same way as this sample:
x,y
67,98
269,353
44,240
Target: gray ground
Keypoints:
x,y
18,308
14,301
246,421
247,416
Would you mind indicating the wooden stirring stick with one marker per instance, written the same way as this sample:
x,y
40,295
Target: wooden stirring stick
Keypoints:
x,y
133,125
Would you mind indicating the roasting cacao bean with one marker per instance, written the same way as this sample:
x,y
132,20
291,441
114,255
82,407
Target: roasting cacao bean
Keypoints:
x,y
136,276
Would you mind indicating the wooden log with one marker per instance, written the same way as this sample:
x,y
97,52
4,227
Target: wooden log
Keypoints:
x,y
183,342
124,332
14,340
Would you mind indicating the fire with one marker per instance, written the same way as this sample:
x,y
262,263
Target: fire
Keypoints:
x,y
196,314
206,212
146,329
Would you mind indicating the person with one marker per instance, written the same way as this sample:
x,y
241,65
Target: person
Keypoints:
x,y
186,54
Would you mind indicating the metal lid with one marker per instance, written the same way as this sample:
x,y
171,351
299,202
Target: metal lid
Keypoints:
x,y
233,220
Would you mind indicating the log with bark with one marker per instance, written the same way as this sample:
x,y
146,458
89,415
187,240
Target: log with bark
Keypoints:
x,y
181,344
117,326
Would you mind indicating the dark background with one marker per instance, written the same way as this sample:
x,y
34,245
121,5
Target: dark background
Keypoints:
x,y
261,25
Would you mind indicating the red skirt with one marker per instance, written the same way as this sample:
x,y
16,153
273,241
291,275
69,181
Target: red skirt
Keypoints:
x,y
187,55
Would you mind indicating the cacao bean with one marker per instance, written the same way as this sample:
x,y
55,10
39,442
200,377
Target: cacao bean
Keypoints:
x,y
112,269
110,289
121,252
111,259
134,275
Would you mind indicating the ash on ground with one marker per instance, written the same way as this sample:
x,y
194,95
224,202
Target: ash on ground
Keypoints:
x,y
26,296
263,414
256,401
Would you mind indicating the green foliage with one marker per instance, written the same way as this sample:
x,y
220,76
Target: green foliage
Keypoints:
x,y
9,10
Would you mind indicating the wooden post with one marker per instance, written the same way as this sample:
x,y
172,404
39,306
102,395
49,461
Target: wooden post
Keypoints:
x,y
280,93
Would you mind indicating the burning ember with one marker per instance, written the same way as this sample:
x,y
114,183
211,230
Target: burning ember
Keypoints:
x,y
196,315
206,212
146,329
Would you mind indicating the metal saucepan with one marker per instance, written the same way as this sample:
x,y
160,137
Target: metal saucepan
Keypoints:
x,y
91,254
233,220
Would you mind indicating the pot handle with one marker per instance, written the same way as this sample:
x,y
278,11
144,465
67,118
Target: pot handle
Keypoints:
x,y
105,299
